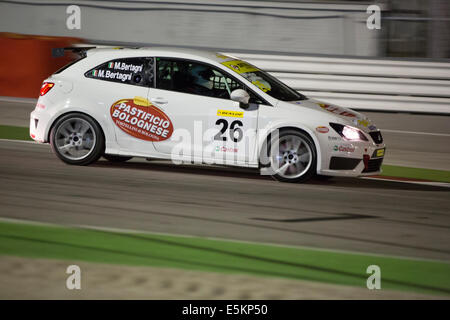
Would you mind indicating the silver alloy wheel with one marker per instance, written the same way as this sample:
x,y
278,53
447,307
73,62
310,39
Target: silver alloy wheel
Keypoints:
x,y
292,158
75,138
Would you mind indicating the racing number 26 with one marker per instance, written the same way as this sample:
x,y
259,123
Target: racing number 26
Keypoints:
x,y
236,134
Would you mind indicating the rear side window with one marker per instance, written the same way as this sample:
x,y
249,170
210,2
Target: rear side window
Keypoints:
x,y
134,71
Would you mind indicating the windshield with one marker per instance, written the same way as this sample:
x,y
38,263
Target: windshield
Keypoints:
x,y
264,81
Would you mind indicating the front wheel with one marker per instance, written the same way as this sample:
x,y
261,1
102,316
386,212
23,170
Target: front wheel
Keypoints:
x,y
77,139
292,156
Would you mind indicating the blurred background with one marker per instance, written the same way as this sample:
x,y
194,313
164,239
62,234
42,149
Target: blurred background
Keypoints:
x,y
409,28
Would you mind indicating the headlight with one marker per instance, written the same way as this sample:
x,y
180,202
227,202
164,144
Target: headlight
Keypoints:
x,y
348,132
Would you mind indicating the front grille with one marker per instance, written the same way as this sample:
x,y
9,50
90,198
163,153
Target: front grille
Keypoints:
x,y
373,165
376,137
340,163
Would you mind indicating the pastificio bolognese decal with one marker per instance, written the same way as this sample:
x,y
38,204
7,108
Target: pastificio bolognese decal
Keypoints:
x,y
141,119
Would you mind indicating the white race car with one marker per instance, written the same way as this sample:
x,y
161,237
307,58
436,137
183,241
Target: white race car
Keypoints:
x,y
201,107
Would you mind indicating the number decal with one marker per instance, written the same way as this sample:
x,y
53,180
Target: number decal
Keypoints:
x,y
234,127
219,135
239,131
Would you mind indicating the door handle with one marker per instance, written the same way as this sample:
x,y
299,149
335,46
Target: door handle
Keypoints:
x,y
159,100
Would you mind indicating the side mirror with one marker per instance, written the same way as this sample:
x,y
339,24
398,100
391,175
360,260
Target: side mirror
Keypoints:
x,y
240,96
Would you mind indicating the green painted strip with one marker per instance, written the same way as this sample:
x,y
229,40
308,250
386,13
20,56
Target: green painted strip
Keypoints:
x,y
40,241
14,133
416,173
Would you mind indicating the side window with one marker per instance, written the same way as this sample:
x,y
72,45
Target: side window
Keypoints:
x,y
134,71
196,78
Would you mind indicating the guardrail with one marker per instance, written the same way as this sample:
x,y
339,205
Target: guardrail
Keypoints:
x,y
365,84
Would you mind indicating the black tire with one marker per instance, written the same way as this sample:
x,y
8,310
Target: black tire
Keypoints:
x,y
93,138
307,144
114,158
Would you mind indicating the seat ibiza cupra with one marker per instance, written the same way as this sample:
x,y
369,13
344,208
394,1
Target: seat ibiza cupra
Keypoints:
x,y
198,107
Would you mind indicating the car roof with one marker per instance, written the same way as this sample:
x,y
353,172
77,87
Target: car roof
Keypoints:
x,y
162,52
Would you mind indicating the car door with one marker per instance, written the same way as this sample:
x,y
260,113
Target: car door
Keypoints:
x,y
123,93
208,126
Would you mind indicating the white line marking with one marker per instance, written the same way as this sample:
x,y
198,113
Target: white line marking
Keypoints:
x,y
21,141
18,100
416,132
119,230
428,183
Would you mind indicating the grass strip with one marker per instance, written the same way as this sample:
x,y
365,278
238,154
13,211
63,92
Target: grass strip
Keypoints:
x,y
416,173
14,133
193,253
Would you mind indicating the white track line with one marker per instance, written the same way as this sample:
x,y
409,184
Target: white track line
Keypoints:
x,y
416,132
18,100
20,141
428,183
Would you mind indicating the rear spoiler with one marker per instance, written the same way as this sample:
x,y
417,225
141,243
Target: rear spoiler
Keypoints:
x,y
81,51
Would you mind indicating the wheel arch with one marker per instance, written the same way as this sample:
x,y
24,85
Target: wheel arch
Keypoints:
x,y
296,127
59,116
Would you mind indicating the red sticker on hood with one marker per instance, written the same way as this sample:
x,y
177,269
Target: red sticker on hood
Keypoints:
x,y
337,110
141,119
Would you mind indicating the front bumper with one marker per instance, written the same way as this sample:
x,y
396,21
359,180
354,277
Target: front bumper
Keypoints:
x,y
356,166
352,159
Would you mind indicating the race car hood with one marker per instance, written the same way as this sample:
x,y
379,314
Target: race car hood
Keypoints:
x,y
345,115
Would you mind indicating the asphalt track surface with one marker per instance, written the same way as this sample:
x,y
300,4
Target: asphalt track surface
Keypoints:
x,y
347,214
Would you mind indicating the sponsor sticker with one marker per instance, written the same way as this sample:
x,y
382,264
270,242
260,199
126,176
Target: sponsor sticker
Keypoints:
x,y
337,110
344,148
322,129
226,149
141,119
240,66
361,122
264,87
230,113
380,152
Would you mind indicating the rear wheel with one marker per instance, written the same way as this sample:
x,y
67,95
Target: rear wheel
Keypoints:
x,y
114,158
77,139
294,160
